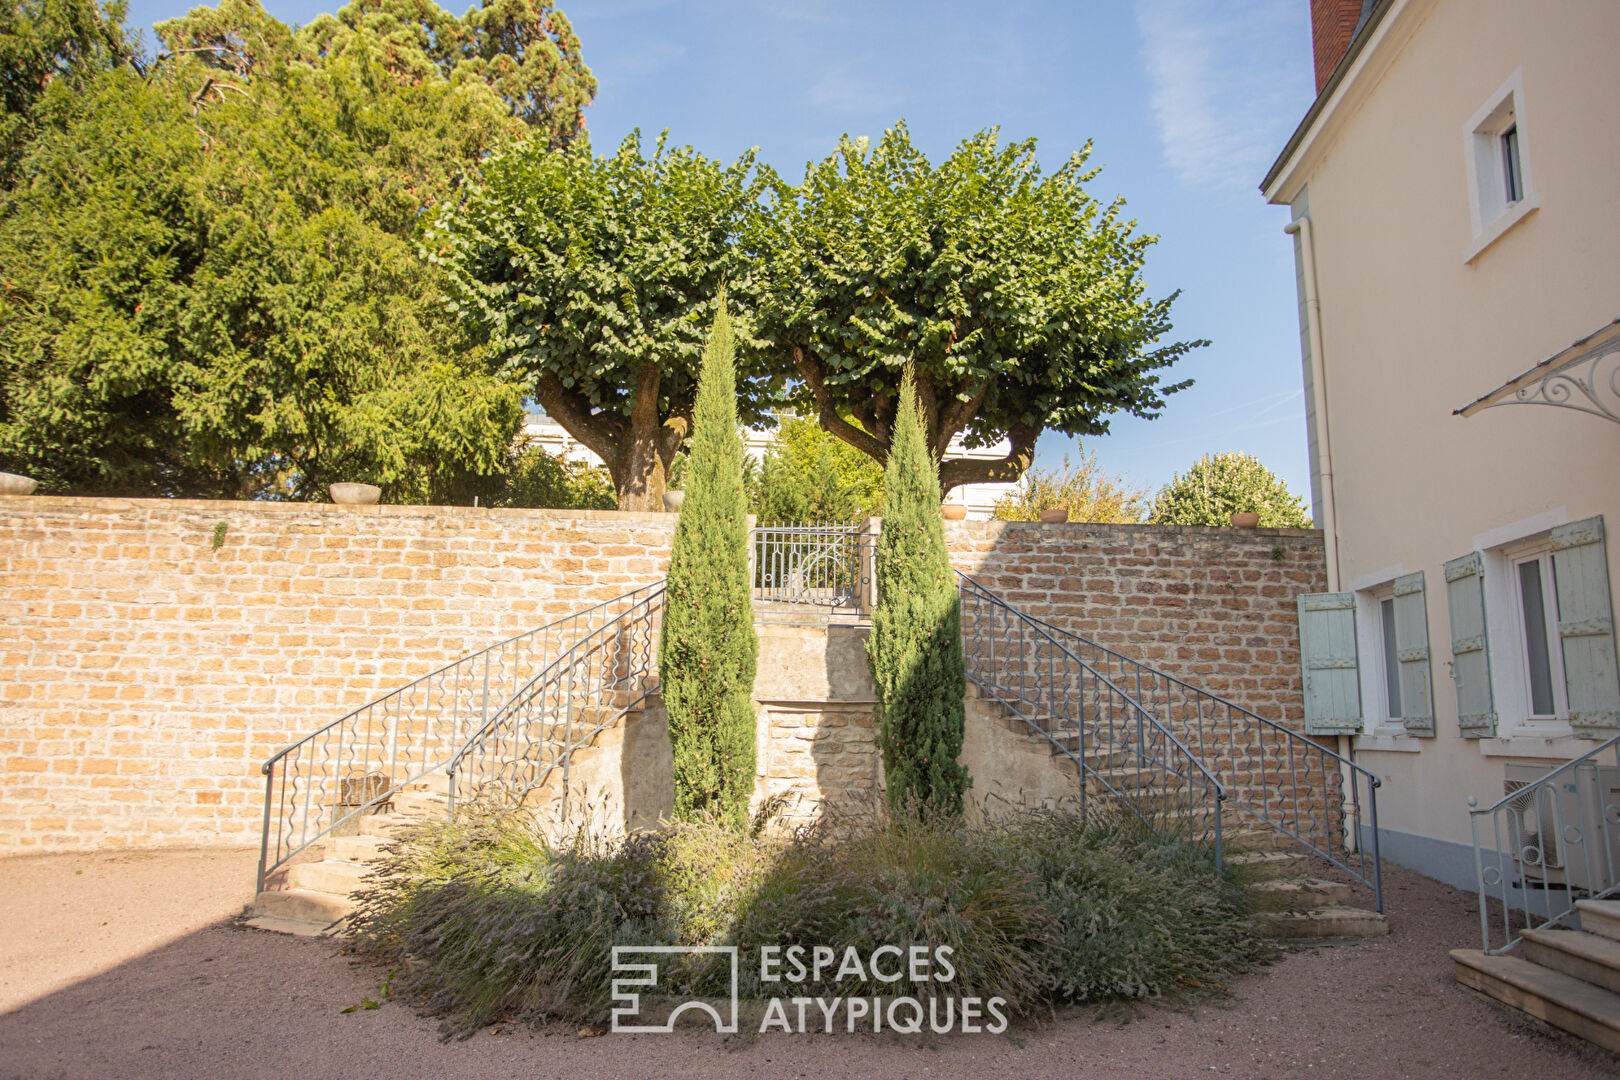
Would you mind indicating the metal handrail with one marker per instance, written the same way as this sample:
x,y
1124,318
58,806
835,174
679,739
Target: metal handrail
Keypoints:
x,y
826,567
354,764
590,686
1530,838
1091,719
1308,791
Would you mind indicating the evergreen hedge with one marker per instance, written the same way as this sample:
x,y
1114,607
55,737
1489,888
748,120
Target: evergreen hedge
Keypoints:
x,y
708,652
915,650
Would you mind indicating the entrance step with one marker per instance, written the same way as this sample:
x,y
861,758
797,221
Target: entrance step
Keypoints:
x,y
1589,957
328,876
302,905
1600,917
1256,866
356,849
1553,997
1324,924
1298,895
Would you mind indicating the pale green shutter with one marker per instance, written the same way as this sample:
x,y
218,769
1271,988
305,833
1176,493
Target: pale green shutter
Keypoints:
x,y
1586,626
1412,650
1327,650
1470,647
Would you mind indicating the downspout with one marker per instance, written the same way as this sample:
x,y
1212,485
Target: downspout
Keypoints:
x,y
1324,448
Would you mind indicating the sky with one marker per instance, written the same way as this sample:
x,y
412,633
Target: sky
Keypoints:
x,y
1187,103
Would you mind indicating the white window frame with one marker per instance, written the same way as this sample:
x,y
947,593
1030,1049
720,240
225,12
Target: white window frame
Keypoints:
x,y
1488,206
1510,663
1374,679
1539,553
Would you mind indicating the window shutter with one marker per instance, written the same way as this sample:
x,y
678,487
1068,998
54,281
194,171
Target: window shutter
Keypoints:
x,y
1412,650
1470,647
1586,627
1327,650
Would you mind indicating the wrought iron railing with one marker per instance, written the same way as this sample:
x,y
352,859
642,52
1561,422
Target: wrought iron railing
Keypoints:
x,y
1271,773
812,573
589,686
361,760
1118,745
1547,844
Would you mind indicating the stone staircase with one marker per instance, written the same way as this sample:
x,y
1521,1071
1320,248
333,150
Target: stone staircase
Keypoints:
x,y
1567,978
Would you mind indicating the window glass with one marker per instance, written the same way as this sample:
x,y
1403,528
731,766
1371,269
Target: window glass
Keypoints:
x,y
1512,185
1533,603
1392,663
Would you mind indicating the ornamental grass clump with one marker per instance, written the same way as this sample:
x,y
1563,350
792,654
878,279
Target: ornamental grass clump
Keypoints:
x,y
485,922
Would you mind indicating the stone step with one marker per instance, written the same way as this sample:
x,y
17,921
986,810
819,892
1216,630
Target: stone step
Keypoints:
x,y
1323,924
434,783
1297,894
1589,957
421,802
301,905
386,825
296,927
328,876
1254,866
356,849
1601,917
1552,997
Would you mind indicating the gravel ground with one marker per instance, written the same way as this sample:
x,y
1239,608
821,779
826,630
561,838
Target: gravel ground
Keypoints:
x,y
129,966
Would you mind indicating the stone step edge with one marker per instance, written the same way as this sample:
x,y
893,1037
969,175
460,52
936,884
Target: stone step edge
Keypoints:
x,y
1543,994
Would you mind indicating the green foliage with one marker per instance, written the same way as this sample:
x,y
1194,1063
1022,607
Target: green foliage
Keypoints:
x,y
1220,485
1086,491
211,282
591,279
809,475
1016,297
1039,908
708,649
915,649
536,479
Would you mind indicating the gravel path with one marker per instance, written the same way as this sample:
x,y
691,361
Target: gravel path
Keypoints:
x,y
127,966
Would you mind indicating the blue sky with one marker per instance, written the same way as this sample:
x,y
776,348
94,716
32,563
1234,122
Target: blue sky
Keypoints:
x,y
1187,102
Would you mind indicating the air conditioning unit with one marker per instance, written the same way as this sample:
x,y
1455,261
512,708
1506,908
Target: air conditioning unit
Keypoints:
x,y
1557,829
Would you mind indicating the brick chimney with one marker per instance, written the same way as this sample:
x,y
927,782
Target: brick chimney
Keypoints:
x,y
1333,26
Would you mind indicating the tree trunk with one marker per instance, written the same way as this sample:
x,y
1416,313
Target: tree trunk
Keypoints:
x,y
641,474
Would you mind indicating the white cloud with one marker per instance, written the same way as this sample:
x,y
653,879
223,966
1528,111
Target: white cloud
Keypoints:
x,y
1230,80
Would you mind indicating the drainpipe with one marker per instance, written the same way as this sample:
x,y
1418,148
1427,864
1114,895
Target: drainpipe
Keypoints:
x,y
1324,448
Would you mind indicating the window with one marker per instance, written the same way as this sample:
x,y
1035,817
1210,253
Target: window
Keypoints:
x,y
1392,664
1501,192
1540,650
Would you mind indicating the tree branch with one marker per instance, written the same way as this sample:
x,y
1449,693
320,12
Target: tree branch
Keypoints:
x,y
827,413
1005,470
572,412
955,416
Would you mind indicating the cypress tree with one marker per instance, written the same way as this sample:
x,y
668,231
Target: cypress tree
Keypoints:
x,y
708,652
915,650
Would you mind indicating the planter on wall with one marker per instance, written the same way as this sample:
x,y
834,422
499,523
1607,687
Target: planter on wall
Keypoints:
x,y
953,511
673,500
1246,520
12,484
1055,517
355,494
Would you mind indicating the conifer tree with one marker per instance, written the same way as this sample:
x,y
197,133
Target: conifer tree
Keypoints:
x,y
708,652
915,650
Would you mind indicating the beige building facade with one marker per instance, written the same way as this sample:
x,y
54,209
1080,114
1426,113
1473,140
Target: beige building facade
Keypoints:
x,y
1456,226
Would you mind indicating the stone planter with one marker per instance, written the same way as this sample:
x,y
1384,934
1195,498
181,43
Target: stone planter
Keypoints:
x,y
12,484
1055,517
673,500
355,494
1246,521
953,512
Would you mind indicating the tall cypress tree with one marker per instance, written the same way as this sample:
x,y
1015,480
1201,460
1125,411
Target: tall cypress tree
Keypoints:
x,y
708,653
915,650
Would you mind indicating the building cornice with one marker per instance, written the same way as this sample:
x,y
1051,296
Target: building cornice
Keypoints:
x,y
1388,27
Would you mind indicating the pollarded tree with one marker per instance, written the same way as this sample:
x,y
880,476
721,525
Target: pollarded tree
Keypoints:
x,y
708,651
591,279
1220,485
915,649
1016,297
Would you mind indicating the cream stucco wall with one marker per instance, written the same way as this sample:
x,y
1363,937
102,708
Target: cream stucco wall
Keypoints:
x,y
1411,331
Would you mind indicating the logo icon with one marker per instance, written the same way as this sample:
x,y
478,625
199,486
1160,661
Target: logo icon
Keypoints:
x,y
628,1000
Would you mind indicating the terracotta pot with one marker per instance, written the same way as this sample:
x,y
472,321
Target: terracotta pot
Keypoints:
x,y
355,494
673,500
12,484
1246,521
1055,517
953,511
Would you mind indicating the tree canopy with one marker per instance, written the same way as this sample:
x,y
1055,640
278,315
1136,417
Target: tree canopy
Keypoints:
x,y
592,280
211,284
1016,296
1220,485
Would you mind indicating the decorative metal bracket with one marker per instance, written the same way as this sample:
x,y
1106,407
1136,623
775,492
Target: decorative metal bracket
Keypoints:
x,y
1584,377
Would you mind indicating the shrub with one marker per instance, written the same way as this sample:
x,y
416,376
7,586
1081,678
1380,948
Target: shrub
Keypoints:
x,y
915,649
708,650
1086,491
1220,485
537,479
809,475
